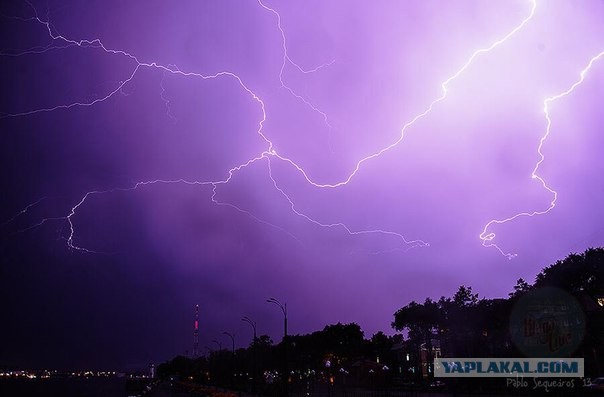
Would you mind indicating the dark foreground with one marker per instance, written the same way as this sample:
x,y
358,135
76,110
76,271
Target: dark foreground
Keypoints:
x,y
63,387
166,390
120,387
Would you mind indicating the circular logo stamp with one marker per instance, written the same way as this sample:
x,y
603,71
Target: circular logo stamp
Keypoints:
x,y
547,322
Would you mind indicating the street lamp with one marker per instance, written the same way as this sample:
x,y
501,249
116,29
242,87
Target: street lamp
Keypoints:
x,y
283,308
218,359
218,343
233,358
232,339
253,324
210,372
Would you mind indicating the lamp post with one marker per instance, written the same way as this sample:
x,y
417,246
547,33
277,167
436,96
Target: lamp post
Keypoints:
x,y
218,343
210,372
218,359
232,336
283,308
253,325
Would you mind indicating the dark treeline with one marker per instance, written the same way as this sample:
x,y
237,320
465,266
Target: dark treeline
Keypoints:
x,y
467,326
337,354
463,325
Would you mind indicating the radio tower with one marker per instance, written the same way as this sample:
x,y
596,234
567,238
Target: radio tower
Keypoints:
x,y
196,333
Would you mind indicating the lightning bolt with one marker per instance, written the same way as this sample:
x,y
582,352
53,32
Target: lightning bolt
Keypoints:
x,y
166,100
486,236
270,151
213,184
286,59
173,69
23,211
411,244
428,110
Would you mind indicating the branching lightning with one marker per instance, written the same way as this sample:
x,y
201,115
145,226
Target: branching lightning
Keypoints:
x,y
23,211
174,70
166,100
287,59
486,236
60,42
412,244
428,110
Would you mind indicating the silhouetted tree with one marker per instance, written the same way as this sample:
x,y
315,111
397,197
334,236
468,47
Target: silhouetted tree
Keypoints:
x,y
520,288
582,275
576,273
422,321
263,342
381,346
464,297
471,327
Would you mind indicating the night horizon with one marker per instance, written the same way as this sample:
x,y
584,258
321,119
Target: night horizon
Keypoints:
x,y
345,160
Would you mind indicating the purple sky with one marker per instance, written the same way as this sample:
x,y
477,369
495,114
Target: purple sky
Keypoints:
x,y
207,152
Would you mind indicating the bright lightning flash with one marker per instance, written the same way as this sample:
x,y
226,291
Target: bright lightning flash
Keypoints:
x,y
66,42
486,236
61,42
